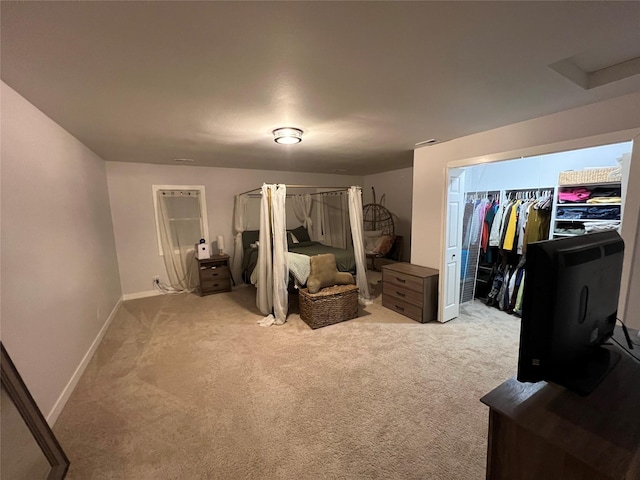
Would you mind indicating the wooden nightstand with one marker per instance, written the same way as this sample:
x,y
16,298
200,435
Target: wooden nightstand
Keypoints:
x,y
411,290
214,275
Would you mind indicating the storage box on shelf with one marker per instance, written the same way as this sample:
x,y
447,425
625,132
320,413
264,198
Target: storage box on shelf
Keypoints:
x,y
411,290
214,275
590,176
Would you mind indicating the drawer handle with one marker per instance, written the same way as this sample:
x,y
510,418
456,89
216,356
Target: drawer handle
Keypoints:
x,y
400,308
400,294
401,280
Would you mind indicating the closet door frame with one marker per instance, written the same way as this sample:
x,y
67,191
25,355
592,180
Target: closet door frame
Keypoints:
x,y
631,213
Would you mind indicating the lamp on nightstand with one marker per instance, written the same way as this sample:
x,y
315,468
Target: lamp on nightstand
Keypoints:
x,y
220,242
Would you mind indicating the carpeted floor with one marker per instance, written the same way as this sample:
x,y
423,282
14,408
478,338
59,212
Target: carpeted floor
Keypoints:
x,y
184,387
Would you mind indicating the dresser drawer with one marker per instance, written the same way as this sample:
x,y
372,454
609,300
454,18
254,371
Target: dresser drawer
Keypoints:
x,y
403,293
216,272
402,307
220,285
403,280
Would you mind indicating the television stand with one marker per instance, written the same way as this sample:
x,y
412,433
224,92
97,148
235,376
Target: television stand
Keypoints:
x,y
542,430
585,377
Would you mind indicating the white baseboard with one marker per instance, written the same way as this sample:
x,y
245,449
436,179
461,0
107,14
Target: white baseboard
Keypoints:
x,y
71,385
134,296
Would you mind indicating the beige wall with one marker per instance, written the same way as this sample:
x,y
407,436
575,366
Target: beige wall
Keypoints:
x,y
130,186
59,271
604,122
397,186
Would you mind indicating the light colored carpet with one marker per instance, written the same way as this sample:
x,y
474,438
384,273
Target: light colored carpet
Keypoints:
x,y
184,387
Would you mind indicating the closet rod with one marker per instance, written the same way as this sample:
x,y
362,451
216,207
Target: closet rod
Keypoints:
x,y
289,195
533,189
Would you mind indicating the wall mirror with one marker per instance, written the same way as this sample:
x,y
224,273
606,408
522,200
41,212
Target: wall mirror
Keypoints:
x,y
29,450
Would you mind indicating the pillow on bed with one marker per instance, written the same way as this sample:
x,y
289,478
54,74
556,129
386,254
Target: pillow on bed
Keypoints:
x,y
324,273
249,237
301,234
292,240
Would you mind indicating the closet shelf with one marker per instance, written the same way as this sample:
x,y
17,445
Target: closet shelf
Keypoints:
x,y
568,204
588,209
581,220
589,185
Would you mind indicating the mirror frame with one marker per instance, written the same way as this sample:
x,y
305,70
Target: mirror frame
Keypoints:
x,y
33,418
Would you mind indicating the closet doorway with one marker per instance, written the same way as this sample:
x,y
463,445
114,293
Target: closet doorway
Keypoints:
x,y
550,187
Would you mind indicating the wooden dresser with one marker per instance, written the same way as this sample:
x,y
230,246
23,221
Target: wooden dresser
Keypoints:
x,y
214,275
411,290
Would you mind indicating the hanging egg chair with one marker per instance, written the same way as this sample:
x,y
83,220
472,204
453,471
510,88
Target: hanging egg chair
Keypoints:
x,y
377,218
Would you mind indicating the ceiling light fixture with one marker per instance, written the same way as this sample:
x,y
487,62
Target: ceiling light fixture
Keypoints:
x,y
287,135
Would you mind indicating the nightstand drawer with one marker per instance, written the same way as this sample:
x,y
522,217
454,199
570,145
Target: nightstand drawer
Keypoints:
x,y
220,285
403,293
402,307
215,273
410,282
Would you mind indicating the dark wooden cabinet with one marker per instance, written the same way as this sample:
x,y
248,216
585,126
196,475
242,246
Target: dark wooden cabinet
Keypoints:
x,y
214,275
411,290
543,431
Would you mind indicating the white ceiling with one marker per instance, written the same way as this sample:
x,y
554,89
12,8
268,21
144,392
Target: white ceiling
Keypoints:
x,y
155,81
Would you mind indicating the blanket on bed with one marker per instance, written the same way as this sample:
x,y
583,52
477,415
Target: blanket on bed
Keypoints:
x,y
345,259
299,268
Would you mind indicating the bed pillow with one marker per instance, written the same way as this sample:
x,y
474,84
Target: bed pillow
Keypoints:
x,y
292,240
249,237
383,245
324,273
301,234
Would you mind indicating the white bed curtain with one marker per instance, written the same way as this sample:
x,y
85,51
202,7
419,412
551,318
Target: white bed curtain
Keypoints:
x,y
280,265
355,216
240,225
302,210
334,220
264,297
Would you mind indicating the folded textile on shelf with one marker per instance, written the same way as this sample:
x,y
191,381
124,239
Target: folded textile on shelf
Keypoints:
x,y
591,227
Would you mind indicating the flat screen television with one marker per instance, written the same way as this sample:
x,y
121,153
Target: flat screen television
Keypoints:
x,y
569,310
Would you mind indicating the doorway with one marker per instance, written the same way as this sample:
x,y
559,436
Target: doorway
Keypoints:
x,y
523,179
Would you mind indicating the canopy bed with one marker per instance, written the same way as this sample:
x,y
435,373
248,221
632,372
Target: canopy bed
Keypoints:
x,y
268,255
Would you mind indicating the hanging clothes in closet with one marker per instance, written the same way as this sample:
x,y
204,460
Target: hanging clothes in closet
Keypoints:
x,y
524,218
475,238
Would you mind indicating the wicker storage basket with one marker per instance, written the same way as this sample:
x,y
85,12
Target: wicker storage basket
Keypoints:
x,y
330,305
590,175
